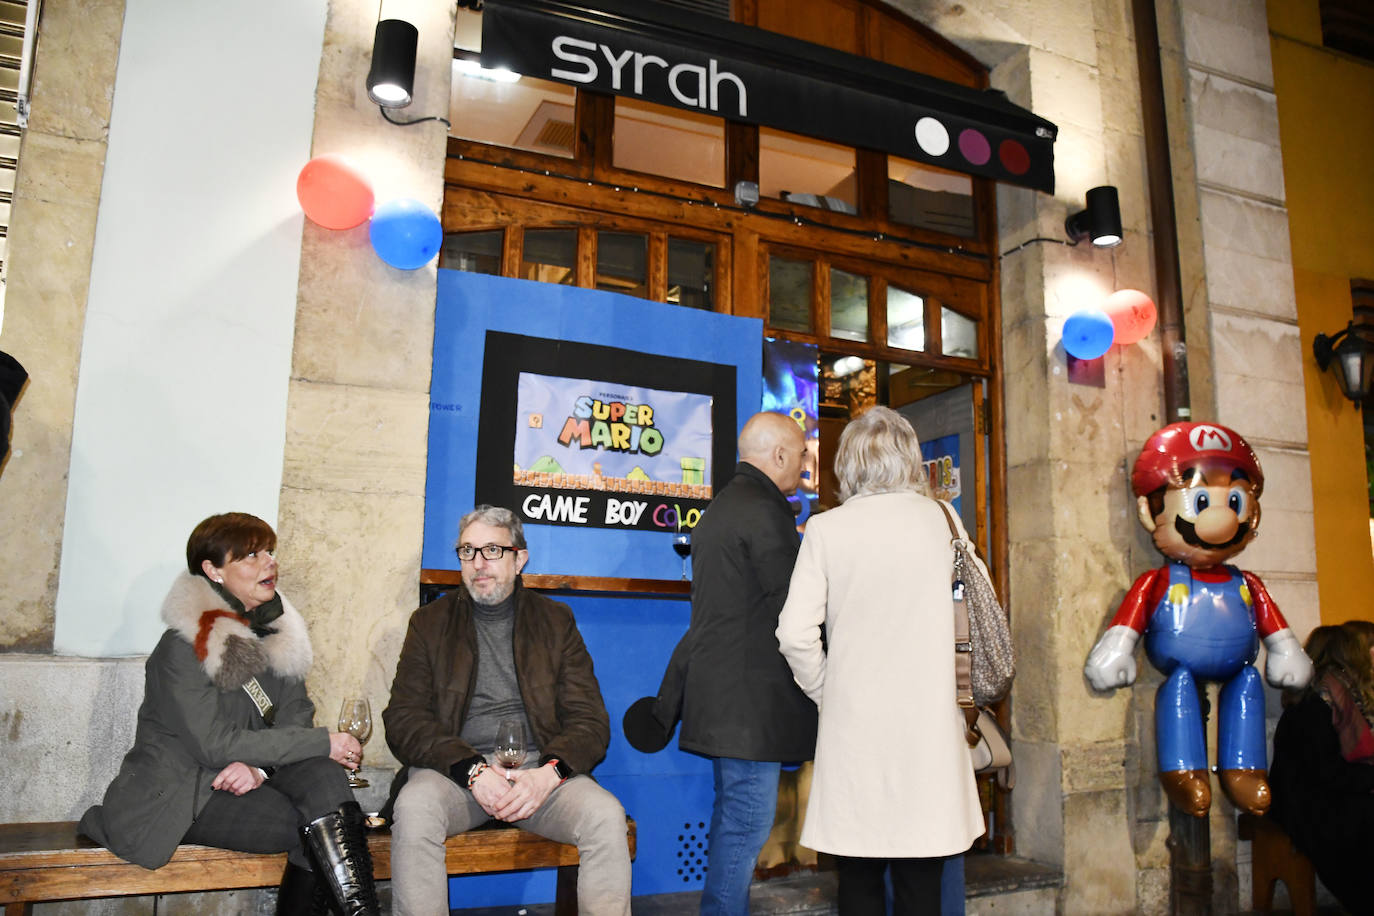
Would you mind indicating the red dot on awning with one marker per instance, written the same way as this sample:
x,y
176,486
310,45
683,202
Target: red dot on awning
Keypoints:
x,y
1014,157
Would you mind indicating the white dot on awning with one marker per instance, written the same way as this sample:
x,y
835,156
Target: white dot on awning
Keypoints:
x,y
932,137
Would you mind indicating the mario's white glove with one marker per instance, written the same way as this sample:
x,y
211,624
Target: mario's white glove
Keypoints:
x,y
1112,661
1287,665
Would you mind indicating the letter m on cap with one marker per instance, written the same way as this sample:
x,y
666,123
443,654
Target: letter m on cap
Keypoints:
x,y
1206,438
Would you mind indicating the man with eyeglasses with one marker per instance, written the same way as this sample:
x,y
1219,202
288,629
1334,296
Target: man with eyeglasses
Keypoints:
x,y
489,651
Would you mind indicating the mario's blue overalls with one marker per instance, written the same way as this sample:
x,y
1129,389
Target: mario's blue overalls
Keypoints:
x,y
1203,630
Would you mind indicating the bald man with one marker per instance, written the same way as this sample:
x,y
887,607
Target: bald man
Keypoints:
x,y
739,703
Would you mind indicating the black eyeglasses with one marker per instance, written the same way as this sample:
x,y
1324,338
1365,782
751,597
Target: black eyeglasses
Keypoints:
x,y
488,551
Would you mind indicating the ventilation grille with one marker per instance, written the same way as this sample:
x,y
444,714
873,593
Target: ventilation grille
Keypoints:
x,y
555,135
691,854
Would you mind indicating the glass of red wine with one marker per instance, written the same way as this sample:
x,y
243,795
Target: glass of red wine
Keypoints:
x,y
682,543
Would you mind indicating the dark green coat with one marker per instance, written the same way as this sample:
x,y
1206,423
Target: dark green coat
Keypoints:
x,y
196,719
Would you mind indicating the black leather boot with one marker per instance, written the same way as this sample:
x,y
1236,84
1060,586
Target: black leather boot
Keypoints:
x,y
338,843
301,894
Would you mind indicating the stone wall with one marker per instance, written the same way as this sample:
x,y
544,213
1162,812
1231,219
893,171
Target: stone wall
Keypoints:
x,y
353,468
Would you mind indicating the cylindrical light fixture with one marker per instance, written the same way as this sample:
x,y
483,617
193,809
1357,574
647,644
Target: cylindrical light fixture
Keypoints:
x,y
391,80
1100,222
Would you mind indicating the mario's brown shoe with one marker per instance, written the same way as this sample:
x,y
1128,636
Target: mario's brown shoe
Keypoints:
x,y
1190,791
1247,789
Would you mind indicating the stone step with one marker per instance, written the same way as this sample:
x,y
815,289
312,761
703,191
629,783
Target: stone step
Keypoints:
x,y
1004,885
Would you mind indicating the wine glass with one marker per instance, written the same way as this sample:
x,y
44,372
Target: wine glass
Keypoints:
x,y
355,717
510,743
682,544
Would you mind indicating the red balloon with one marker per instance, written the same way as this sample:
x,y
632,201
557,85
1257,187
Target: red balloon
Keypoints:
x,y
1132,314
333,193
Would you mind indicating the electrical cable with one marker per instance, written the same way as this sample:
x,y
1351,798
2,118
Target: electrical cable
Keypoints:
x,y
392,120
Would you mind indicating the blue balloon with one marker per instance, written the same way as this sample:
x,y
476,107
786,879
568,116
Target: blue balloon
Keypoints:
x,y
405,233
1088,333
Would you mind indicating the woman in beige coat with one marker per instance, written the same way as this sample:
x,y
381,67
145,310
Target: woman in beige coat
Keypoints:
x,y
893,782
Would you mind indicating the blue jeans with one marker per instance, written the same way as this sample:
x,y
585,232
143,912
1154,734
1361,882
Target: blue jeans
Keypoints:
x,y
741,819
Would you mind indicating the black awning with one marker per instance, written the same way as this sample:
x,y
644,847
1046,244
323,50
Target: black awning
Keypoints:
x,y
745,74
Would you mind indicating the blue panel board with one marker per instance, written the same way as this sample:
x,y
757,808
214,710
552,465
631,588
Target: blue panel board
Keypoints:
x,y
668,793
630,637
471,304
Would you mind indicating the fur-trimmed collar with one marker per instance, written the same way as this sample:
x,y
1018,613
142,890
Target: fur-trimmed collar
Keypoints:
x,y
222,640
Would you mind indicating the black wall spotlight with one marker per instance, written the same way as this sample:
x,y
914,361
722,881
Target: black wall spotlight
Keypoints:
x,y
1100,222
391,80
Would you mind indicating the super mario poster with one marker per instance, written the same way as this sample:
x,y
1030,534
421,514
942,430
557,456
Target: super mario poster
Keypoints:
x,y
594,438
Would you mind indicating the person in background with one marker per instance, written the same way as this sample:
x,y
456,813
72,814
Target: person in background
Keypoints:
x,y
727,682
12,379
1323,769
893,789
491,650
226,752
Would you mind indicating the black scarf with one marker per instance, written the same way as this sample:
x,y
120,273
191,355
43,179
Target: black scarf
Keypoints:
x,y
259,617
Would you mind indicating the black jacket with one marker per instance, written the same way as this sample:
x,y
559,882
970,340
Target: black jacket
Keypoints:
x,y
1323,802
727,680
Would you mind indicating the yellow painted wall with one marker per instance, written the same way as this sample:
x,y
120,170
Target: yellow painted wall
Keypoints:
x,y
1325,101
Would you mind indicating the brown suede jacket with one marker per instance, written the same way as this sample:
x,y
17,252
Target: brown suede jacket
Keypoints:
x,y
437,671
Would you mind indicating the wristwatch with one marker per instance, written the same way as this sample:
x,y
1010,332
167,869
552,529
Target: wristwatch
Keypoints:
x,y
561,769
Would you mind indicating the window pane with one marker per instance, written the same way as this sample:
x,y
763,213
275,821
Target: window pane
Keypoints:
x,y
474,252
528,113
805,171
931,198
691,273
550,256
958,335
659,140
789,294
620,258
848,305
906,319
467,30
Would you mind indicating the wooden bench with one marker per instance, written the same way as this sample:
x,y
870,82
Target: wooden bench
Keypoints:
x,y
51,861
1274,858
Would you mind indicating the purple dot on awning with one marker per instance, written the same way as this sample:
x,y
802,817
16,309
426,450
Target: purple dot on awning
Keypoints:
x,y
1014,157
974,146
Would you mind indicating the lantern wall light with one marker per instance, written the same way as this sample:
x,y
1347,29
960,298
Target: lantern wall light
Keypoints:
x,y
1351,351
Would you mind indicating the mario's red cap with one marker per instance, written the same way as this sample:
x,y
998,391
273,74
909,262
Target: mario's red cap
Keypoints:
x,y
1181,445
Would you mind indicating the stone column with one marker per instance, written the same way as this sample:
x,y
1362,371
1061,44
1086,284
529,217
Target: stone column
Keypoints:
x,y
52,233
1071,521
352,502
1251,322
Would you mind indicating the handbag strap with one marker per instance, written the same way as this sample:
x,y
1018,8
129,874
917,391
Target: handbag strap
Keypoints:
x,y
963,645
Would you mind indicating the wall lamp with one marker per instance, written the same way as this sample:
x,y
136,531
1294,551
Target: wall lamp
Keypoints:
x,y
1352,352
1100,222
391,80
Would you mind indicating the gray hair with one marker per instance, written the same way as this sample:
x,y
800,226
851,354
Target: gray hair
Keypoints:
x,y
879,453
497,516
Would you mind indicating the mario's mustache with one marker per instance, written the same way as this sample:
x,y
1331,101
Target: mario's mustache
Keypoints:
x,y
1188,531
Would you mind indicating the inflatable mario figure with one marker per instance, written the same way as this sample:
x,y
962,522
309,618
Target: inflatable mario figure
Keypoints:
x,y
1198,487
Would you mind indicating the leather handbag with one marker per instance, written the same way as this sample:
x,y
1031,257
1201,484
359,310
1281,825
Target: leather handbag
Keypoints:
x,y
989,744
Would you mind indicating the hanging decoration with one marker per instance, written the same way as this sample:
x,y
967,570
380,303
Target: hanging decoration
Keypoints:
x,y
1132,313
1087,334
333,193
405,233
